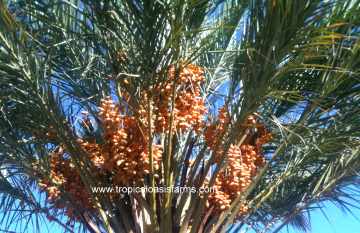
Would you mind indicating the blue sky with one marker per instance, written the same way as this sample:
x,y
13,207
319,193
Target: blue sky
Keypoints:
x,y
338,221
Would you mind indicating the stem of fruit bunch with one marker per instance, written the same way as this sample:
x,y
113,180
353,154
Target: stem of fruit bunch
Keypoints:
x,y
181,171
184,196
205,219
194,206
151,159
91,224
166,221
198,205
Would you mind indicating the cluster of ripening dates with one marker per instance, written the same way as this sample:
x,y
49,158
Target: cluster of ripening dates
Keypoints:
x,y
123,156
243,162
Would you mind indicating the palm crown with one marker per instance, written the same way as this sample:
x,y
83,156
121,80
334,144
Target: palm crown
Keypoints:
x,y
258,100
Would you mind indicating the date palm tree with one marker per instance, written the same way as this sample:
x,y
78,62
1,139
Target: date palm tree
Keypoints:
x,y
257,99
